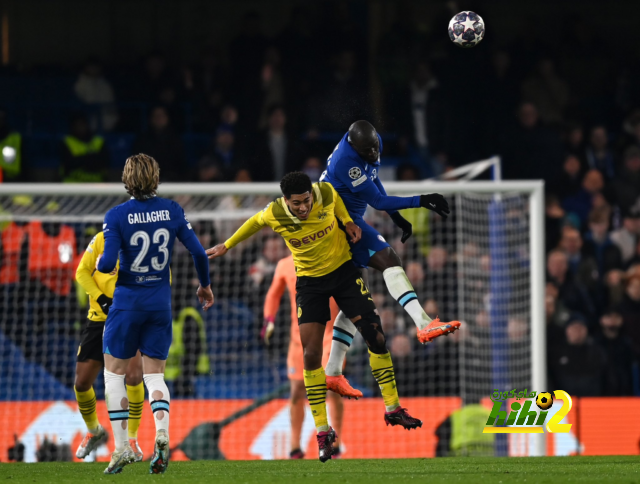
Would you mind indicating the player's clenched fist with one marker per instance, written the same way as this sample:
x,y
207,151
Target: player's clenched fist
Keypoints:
x,y
353,231
205,296
217,251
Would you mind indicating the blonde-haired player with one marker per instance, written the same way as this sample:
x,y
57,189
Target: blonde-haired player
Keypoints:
x,y
90,360
285,278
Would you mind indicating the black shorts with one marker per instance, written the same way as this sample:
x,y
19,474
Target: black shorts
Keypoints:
x,y
345,285
91,342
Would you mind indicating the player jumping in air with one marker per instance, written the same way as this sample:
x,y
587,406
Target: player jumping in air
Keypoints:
x,y
352,169
307,219
285,278
140,234
90,359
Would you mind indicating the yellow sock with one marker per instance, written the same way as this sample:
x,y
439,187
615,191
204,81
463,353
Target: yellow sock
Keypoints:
x,y
382,369
316,384
135,394
87,405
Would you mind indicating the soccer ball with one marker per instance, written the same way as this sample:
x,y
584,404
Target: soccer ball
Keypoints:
x,y
544,400
466,29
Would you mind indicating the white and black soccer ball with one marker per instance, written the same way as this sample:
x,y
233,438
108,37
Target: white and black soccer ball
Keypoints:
x,y
466,29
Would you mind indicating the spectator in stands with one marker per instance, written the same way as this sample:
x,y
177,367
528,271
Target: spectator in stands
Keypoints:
x,y
582,202
92,87
162,142
630,311
154,78
275,151
547,91
619,352
598,154
555,219
569,181
272,85
626,186
556,315
84,155
577,365
11,160
599,246
407,172
419,117
573,294
439,281
222,161
574,141
627,237
530,150
313,167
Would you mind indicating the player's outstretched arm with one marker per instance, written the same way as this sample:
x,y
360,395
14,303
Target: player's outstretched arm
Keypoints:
x,y
248,229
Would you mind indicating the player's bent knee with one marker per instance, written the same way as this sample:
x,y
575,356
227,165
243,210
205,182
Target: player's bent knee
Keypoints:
x,y
312,359
370,327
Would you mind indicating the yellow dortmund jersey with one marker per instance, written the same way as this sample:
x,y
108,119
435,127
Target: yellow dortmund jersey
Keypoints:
x,y
93,282
317,244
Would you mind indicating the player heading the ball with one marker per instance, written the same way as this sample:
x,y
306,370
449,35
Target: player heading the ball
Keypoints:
x,y
307,219
140,233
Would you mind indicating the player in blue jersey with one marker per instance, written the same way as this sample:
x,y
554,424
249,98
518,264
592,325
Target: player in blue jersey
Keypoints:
x,y
352,169
141,233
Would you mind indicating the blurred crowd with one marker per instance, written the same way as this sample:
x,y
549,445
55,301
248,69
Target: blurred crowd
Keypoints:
x,y
262,106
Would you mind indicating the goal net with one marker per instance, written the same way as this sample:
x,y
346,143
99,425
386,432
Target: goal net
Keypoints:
x,y
230,392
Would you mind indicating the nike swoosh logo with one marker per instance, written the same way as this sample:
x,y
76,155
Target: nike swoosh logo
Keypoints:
x,y
433,205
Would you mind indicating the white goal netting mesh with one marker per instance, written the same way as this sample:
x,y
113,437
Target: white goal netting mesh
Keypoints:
x,y
229,391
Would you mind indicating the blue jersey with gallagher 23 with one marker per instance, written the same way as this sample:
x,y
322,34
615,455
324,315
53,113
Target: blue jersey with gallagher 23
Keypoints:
x,y
145,232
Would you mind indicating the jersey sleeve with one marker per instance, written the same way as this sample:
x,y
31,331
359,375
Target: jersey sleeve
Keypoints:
x,y
187,236
112,242
249,228
349,172
382,191
369,192
275,293
84,272
340,209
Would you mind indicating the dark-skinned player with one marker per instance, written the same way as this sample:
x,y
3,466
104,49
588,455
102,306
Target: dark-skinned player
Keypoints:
x,y
307,219
352,169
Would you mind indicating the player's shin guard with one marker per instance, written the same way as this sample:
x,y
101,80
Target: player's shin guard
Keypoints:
x,y
136,402
382,369
118,408
159,399
343,332
316,385
87,405
402,291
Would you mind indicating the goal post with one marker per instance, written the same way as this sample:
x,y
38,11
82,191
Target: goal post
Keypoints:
x,y
493,279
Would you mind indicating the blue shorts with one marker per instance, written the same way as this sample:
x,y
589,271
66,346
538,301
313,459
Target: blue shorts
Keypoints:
x,y
370,243
126,332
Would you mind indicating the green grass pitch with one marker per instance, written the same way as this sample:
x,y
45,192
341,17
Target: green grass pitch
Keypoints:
x,y
466,470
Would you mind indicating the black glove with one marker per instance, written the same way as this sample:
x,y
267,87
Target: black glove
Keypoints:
x,y
404,225
105,303
435,202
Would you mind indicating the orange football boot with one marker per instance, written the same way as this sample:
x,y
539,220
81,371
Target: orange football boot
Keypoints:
x,y
340,385
437,328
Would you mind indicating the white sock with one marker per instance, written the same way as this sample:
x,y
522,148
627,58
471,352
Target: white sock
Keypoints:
x,y
343,333
159,399
402,291
118,407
